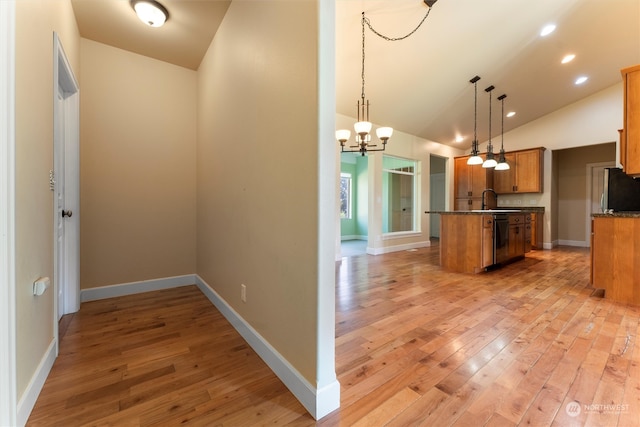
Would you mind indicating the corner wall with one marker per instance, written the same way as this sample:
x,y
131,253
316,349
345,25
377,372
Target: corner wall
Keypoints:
x,y
137,167
259,163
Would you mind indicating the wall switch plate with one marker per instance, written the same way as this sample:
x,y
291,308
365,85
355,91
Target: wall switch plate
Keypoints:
x,y
243,293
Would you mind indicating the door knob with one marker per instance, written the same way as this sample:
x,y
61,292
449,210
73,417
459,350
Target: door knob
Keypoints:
x,y
66,213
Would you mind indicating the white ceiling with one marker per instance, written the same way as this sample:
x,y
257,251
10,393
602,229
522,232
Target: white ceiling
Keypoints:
x,y
420,85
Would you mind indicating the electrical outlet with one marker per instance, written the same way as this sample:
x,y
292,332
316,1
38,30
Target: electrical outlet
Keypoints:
x,y
243,293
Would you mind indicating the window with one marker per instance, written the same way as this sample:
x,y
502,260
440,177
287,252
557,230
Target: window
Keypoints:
x,y
345,195
398,194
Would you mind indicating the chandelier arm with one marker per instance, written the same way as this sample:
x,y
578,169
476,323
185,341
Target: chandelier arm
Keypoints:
x,y
393,39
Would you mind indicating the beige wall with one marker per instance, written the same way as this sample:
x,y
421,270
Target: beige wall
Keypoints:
x,y
257,163
35,23
572,188
137,185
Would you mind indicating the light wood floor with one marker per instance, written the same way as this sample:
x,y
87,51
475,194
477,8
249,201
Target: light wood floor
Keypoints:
x,y
414,346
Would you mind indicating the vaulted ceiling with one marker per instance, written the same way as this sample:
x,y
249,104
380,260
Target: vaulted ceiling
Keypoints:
x,y
420,85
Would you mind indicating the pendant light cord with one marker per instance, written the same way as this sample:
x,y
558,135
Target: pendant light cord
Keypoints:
x,y
363,21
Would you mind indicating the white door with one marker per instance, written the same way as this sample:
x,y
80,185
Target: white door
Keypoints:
x,y
61,214
66,186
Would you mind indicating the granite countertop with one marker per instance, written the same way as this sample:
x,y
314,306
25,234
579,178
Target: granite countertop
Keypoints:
x,y
526,209
621,214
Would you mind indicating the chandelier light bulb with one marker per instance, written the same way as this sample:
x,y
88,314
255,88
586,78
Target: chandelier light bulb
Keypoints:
x,y
343,135
384,133
362,128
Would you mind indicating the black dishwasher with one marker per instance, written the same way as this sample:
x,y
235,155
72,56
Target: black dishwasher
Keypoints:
x,y
500,237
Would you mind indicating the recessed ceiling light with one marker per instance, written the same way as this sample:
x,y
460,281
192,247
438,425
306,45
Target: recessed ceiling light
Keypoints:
x,y
548,29
459,138
150,12
568,58
511,113
581,80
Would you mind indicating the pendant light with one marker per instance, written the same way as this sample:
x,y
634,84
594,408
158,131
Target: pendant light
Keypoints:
x,y
490,162
502,161
475,159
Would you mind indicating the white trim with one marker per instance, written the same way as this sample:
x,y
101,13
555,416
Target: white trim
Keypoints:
x,y
31,393
316,401
576,243
7,216
348,237
103,292
398,248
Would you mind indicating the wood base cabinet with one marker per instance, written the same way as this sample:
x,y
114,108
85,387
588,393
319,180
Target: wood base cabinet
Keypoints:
x,y
615,257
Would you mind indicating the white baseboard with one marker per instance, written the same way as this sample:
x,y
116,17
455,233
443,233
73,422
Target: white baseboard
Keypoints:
x,y
102,292
318,401
30,396
397,248
576,243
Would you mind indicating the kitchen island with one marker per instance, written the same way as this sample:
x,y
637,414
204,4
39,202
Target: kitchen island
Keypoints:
x,y
477,240
615,255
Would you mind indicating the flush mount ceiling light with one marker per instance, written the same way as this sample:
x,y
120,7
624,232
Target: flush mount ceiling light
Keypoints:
x,y
548,29
581,80
150,12
363,126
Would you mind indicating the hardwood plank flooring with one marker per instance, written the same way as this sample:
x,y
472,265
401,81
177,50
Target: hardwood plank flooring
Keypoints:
x,y
528,344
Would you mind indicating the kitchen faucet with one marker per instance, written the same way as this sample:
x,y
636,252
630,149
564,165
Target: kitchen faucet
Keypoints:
x,y
492,191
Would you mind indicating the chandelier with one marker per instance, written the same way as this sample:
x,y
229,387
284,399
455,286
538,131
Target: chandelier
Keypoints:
x,y
363,126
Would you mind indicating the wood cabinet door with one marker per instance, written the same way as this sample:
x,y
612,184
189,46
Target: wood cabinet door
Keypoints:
x,y
528,176
462,178
631,120
504,182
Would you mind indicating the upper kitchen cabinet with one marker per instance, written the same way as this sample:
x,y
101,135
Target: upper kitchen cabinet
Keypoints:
x,y
469,183
525,174
630,134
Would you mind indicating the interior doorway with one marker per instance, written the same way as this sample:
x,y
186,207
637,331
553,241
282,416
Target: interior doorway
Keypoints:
x,y
437,192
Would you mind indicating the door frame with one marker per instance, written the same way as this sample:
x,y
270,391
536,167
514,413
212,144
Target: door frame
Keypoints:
x,y
589,179
66,119
8,406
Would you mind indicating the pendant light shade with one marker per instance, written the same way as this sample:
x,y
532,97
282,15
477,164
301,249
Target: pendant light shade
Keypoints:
x,y
475,159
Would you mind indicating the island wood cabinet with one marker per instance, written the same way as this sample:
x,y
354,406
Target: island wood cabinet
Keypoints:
x,y
466,240
525,175
517,235
630,133
615,257
469,183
